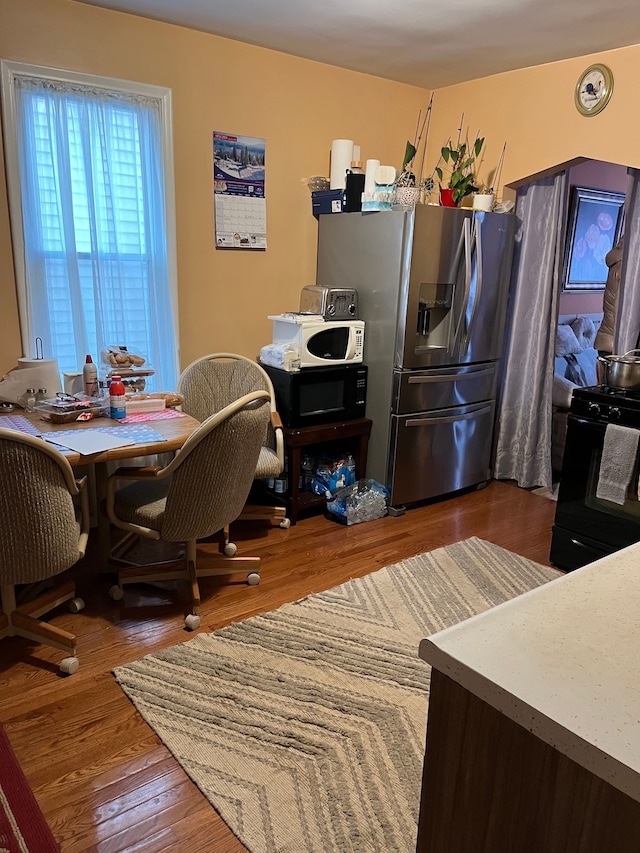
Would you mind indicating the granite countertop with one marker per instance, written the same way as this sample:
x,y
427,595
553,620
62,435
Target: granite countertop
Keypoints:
x,y
563,661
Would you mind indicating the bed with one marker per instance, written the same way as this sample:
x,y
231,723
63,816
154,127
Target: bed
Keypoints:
x,y
575,362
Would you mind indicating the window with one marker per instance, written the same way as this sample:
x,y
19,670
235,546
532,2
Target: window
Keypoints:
x,y
91,199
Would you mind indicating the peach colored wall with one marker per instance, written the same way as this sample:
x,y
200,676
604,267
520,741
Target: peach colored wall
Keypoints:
x,y
533,111
298,106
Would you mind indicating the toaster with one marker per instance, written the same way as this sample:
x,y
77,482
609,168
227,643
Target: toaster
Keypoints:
x,y
332,303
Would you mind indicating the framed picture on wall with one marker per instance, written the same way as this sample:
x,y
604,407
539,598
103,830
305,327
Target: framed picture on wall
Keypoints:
x,y
594,228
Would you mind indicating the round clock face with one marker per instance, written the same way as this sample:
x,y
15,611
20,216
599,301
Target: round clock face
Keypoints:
x,y
593,90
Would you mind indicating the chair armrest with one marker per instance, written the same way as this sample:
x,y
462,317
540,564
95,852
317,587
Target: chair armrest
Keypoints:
x,y
562,391
276,421
135,472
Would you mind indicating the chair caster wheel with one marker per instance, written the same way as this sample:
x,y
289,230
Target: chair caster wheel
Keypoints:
x,y
285,523
230,549
191,622
76,605
253,579
69,665
116,593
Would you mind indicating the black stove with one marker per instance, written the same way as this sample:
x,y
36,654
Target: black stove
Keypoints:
x,y
602,404
587,527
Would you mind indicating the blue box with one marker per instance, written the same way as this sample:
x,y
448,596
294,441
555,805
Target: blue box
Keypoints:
x,y
327,201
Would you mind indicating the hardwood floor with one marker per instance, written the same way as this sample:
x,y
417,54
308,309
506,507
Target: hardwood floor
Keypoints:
x,y
102,778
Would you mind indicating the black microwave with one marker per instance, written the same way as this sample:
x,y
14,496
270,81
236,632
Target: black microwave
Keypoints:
x,y
319,395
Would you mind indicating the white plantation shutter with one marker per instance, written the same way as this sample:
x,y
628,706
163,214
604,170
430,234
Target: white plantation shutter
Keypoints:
x,y
93,211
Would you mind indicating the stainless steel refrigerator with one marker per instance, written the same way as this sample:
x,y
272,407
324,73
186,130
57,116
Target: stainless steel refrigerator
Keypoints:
x,y
433,288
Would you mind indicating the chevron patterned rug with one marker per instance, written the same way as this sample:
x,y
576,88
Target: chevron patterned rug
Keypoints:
x,y
305,727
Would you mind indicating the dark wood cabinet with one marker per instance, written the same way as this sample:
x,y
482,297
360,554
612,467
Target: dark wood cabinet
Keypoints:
x,y
346,436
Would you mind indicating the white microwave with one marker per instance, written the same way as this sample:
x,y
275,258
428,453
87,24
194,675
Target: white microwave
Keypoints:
x,y
320,342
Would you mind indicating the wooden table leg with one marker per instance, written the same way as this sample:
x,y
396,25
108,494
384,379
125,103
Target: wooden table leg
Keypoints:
x,y
104,526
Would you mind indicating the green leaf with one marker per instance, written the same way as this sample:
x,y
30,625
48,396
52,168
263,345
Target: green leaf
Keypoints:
x,y
409,154
478,145
445,153
439,173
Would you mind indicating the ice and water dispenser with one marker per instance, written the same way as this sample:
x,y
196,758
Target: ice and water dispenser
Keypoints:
x,y
434,315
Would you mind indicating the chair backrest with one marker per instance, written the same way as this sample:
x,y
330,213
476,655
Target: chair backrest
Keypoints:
x,y
212,474
213,381
40,531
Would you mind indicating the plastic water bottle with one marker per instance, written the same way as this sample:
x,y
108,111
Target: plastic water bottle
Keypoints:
x,y
117,400
350,464
306,472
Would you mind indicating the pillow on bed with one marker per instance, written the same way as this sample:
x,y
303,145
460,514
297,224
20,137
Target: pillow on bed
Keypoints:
x,y
566,341
578,368
585,331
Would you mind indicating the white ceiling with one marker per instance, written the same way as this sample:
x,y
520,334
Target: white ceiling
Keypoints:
x,y
427,43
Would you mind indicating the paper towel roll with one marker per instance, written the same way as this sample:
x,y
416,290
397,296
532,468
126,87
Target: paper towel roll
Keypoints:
x,y
43,373
341,157
370,175
284,356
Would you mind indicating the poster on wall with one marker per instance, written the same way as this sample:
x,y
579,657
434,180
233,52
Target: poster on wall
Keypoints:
x,y
595,223
238,191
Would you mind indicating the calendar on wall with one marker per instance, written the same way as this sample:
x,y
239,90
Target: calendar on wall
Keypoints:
x,y
238,191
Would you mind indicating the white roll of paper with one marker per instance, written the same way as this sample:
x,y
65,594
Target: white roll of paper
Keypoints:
x,y
370,175
341,157
43,373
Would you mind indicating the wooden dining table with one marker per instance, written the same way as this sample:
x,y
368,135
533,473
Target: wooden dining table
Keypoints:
x,y
172,433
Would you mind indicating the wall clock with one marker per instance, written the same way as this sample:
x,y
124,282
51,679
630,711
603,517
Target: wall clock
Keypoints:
x,y
593,90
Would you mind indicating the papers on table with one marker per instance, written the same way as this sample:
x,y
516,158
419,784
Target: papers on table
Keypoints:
x,y
88,441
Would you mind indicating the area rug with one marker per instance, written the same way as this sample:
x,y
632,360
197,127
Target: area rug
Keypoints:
x,y
23,828
305,727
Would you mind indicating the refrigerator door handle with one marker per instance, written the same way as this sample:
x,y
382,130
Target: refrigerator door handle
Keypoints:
x,y
455,326
477,244
465,240
417,422
451,377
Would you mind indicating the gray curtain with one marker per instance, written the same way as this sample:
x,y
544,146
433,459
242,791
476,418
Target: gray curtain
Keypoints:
x,y
628,315
523,437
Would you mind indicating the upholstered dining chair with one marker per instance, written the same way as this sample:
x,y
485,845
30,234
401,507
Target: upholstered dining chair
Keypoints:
x,y
198,494
45,527
213,381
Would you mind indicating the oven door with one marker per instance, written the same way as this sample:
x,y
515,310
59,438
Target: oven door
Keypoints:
x,y
586,527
